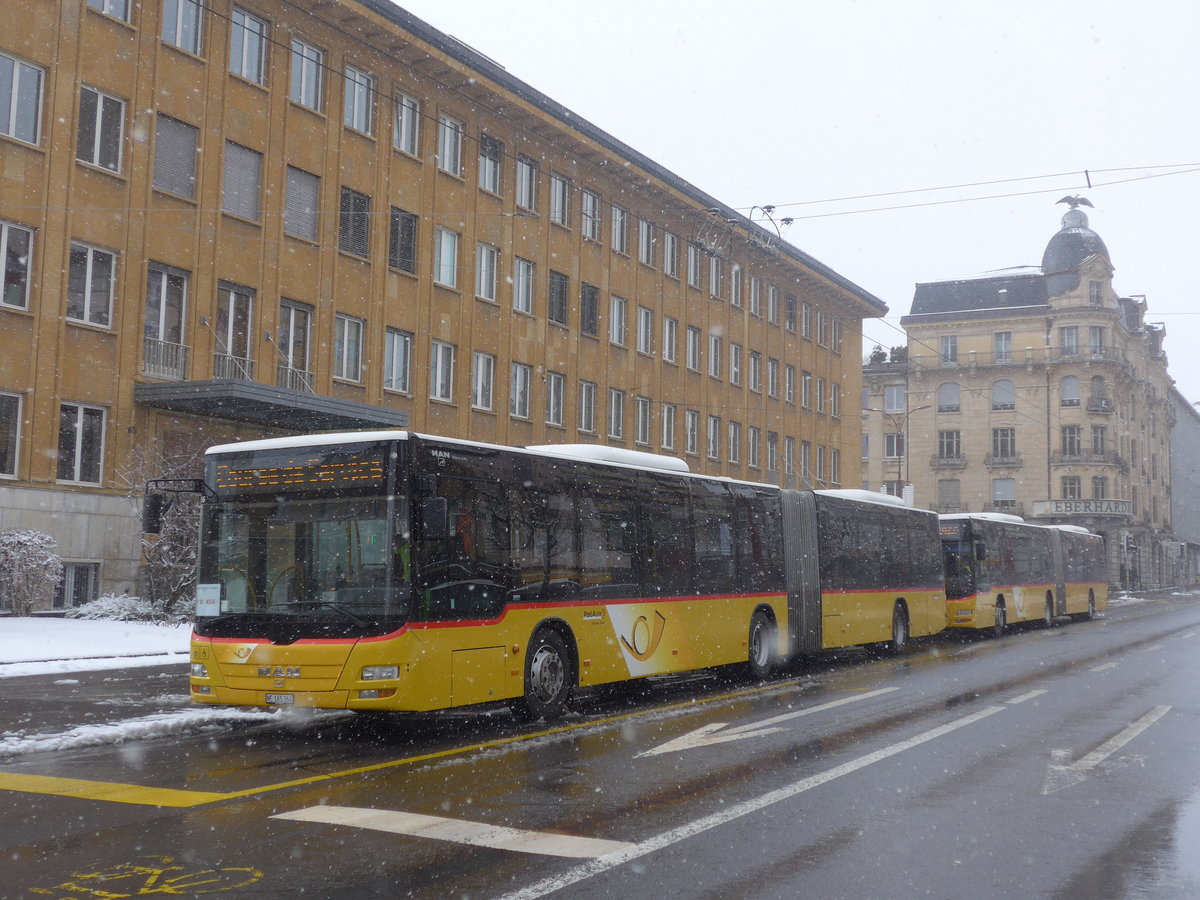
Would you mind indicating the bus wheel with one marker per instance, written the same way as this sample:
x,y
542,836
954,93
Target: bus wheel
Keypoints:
x,y
762,645
900,632
1001,620
1048,616
548,678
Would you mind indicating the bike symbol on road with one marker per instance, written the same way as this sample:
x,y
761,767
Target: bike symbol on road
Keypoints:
x,y
153,875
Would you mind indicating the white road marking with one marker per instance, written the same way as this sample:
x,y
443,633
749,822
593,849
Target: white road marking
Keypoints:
x,y
1023,697
1152,648
1190,634
711,734
458,831
1059,776
609,861
1104,668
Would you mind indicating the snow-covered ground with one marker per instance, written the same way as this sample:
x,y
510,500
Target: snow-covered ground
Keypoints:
x,y
40,646
44,646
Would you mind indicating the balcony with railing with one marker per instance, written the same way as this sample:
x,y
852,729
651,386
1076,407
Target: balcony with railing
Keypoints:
x,y
294,379
1012,507
162,359
1025,356
1090,458
1100,405
226,366
997,461
947,462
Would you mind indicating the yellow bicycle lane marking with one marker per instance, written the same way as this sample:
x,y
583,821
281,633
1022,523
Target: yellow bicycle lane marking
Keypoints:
x,y
143,795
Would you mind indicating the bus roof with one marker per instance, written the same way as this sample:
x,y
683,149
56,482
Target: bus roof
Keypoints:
x,y
989,517
1077,529
865,496
619,455
587,452
308,440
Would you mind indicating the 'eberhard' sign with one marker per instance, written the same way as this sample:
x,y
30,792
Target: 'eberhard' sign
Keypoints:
x,y
1046,508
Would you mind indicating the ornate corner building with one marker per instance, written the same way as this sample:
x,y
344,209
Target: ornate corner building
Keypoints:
x,y
226,220
1037,391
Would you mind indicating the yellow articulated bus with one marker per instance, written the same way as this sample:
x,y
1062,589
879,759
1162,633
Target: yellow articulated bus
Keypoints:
x,y
395,571
1001,570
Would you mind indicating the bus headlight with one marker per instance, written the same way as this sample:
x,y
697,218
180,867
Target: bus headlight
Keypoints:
x,y
379,673
199,670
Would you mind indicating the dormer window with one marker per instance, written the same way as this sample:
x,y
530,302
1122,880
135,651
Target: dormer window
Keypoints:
x,y
1096,293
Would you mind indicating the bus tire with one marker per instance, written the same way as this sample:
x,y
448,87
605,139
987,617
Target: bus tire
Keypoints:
x,y
1001,619
761,657
549,678
900,630
1048,615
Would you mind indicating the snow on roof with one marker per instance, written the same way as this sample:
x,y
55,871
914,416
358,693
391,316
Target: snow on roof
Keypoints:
x,y
308,440
865,496
619,455
991,517
1010,272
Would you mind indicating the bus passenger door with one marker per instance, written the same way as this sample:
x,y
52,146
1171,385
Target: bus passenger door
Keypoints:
x,y
1058,552
803,571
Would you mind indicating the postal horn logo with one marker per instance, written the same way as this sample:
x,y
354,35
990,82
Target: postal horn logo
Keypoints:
x,y
644,638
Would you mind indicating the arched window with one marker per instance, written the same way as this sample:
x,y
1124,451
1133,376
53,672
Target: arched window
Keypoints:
x,y
1004,395
947,397
1097,390
1069,391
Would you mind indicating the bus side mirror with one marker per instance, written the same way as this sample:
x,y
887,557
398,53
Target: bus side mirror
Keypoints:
x,y
153,506
980,550
435,519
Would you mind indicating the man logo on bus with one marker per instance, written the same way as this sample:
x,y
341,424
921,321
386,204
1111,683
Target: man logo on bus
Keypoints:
x,y
278,671
644,640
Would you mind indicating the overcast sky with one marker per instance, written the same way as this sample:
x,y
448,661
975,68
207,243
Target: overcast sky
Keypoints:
x,y
799,102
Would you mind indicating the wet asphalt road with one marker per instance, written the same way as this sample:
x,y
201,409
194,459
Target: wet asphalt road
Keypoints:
x,y
1055,762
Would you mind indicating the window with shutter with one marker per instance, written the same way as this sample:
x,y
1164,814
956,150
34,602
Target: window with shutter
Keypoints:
x,y
175,146
243,178
300,203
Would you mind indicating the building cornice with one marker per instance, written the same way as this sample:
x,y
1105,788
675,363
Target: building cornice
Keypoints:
x,y
570,121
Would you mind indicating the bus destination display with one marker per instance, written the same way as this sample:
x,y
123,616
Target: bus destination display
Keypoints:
x,y
332,471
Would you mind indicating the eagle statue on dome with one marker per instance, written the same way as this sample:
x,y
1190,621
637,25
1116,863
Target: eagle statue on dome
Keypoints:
x,y
1076,201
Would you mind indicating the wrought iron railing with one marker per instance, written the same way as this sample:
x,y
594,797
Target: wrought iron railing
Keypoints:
x,y
162,359
295,379
226,366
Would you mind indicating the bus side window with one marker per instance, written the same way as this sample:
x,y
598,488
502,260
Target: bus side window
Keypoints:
x,y
544,546
664,542
712,526
467,573
607,520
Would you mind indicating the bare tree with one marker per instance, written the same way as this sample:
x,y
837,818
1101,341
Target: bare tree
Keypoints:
x,y
167,578
30,570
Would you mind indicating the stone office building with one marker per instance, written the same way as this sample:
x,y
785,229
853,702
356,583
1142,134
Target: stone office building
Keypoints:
x,y
1038,391
233,220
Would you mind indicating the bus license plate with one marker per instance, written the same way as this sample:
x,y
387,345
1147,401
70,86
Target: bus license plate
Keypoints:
x,y
281,699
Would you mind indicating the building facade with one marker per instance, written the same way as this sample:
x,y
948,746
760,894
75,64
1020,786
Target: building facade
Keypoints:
x,y
1185,487
221,221
1038,391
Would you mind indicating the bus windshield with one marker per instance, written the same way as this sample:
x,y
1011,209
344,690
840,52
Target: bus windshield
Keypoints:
x,y
336,557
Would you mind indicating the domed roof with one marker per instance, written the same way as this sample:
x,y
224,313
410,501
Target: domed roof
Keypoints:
x,y
1074,243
